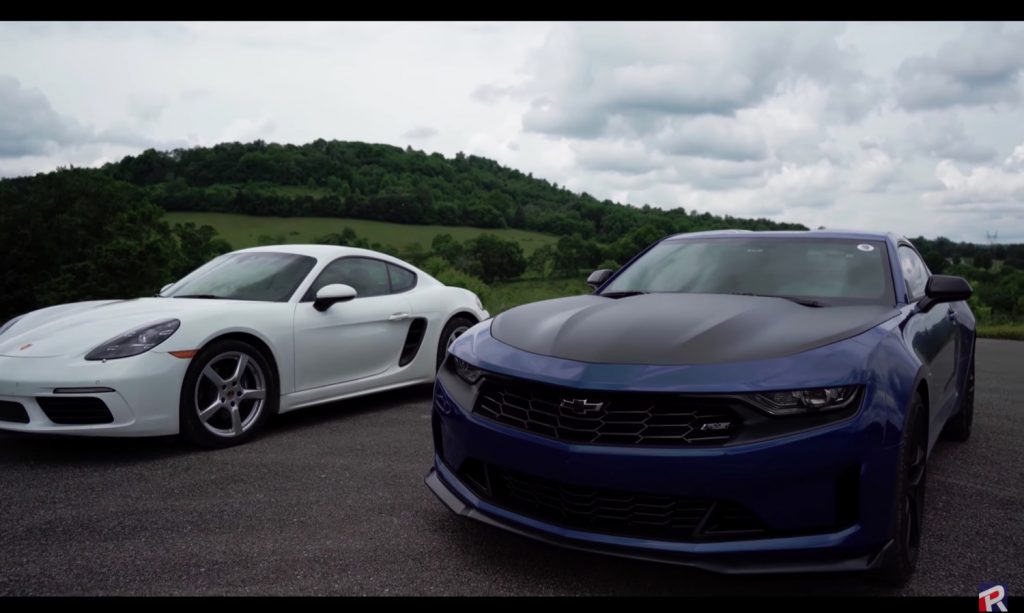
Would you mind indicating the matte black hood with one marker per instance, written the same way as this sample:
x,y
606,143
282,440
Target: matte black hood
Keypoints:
x,y
670,329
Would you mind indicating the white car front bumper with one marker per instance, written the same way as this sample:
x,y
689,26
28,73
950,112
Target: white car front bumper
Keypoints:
x,y
144,401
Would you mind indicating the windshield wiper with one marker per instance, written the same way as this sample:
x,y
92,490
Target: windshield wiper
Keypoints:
x,y
206,296
807,302
621,294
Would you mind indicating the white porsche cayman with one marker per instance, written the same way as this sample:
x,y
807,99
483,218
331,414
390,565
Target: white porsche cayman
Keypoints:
x,y
247,335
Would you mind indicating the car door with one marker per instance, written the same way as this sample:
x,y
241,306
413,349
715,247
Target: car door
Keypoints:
x,y
350,340
934,335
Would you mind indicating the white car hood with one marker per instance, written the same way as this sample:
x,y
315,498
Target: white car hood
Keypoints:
x,y
76,329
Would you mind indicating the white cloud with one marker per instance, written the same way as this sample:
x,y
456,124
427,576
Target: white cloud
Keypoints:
x,y
909,127
983,188
983,66
714,136
420,133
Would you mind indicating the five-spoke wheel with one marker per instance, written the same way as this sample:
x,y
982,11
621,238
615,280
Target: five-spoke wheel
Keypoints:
x,y
228,393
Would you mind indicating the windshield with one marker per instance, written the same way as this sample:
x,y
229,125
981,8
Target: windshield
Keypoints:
x,y
259,275
828,271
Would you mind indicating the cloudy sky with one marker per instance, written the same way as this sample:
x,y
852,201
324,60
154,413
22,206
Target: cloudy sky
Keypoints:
x,y
916,128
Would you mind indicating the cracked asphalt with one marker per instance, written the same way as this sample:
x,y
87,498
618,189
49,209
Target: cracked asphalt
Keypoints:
x,y
331,500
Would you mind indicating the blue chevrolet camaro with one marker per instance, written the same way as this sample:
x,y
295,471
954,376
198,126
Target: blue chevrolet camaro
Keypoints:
x,y
736,401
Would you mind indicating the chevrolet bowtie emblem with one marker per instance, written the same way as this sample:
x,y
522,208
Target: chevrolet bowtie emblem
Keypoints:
x,y
580,406
24,347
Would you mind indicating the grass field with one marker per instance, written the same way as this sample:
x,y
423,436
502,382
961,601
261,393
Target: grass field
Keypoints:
x,y
244,230
504,296
1013,332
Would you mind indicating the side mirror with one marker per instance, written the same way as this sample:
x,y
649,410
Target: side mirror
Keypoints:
x,y
943,288
330,294
598,277
164,289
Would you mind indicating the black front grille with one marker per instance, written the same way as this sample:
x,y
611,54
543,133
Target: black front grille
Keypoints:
x,y
13,411
613,418
610,511
78,411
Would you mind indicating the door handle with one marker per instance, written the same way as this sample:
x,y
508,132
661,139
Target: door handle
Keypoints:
x,y
398,316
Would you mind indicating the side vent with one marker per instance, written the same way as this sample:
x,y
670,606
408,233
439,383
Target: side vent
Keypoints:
x,y
413,340
848,497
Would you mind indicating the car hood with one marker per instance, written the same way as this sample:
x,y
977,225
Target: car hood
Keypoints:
x,y
677,329
71,329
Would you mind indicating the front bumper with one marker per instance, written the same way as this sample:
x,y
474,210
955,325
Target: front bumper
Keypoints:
x,y
824,494
776,556
144,402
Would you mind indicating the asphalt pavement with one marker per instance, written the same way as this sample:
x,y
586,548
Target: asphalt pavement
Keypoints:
x,y
331,500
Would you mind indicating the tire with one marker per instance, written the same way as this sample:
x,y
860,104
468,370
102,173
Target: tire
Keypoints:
x,y
219,408
959,426
455,327
901,559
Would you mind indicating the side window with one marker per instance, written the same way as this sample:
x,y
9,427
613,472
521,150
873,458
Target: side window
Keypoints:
x,y
401,279
368,277
914,272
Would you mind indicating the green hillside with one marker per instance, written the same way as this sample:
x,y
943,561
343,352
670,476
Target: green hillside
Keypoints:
x,y
245,230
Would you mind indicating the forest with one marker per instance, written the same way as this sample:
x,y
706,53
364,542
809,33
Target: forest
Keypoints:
x,y
76,234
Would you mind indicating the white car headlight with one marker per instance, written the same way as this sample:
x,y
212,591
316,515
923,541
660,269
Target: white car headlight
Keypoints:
x,y
139,340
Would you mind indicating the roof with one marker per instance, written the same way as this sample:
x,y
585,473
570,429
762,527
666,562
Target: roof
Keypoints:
x,y
318,251
327,253
849,234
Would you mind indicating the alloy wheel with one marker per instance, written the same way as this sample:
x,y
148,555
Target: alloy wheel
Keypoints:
x,y
230,394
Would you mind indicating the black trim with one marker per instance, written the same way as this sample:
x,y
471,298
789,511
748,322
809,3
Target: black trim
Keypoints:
x,y
82,390
615,512
13,412
413,340
309,297
748,422
848,496
78,411
722,563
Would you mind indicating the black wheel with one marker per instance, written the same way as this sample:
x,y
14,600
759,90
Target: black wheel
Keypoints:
x,y
228,394
901,559
452,330
958,428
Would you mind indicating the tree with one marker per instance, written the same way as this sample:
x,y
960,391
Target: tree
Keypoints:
x,y
196,246
79,235
414,253
445,246
347,238
935,261
543,260
495,259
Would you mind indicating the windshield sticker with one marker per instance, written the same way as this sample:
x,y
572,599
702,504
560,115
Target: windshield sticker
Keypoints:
x,y
865,247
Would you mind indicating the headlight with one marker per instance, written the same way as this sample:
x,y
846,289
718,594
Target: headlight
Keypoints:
x,y
135,342
802,402
466,371
9,323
